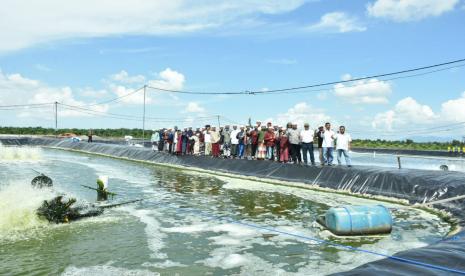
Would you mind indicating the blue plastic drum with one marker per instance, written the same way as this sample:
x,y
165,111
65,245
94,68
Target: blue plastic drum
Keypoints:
x,y
359,220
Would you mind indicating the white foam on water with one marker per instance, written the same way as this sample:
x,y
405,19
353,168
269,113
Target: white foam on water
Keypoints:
x,y
165,264
10,154
18,204
106,270
249,264
234,231
226,261
152,230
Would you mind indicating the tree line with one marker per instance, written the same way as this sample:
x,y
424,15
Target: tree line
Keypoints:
x,y
102,132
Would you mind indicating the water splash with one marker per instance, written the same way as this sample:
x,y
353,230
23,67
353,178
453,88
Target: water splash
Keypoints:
x,y
18,205
16,153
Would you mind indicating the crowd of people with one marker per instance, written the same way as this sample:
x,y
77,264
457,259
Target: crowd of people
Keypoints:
x,y
260,142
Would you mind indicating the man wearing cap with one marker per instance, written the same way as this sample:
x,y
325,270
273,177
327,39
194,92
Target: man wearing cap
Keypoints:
x,y
306,138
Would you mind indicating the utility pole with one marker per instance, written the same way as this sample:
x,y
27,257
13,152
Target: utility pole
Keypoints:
x,y
219,124
56,119
143,119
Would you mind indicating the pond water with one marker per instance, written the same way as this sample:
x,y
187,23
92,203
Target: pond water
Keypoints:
x,y
169,232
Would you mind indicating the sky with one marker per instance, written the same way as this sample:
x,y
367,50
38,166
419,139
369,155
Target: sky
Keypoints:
x,y
85,53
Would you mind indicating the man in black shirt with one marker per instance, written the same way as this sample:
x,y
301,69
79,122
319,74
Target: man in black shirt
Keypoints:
x,y
319,135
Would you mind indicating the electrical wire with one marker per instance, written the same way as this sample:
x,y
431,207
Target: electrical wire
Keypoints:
x,y
247,92
117,99
24,106
366,78
135,118
371,81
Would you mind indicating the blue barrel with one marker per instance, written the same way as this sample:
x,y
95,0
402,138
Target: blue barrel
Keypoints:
x,y
359,220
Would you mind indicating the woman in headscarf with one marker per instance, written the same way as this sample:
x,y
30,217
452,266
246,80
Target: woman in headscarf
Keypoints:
x,y
283,147
254,142
261,151
215,140
196,143
178,142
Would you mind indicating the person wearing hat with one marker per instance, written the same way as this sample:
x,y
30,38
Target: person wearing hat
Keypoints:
x,y
306,138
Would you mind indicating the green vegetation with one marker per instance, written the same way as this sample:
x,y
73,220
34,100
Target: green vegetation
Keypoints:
x,y
107,132
407,144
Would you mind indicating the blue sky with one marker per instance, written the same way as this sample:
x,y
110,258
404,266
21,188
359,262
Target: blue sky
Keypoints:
x,y
89,52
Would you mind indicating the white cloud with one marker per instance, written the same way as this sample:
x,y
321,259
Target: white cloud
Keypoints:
x,y
372,91
124,77
27,23
338,22
194,107
409,10
16,89
454,110
301,113
167,79
407,111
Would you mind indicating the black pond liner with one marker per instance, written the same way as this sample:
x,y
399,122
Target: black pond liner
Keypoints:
x,y
415,186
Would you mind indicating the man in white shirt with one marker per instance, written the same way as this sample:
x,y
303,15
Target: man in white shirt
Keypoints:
x,y
306,138
328,144
343,141
234,142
